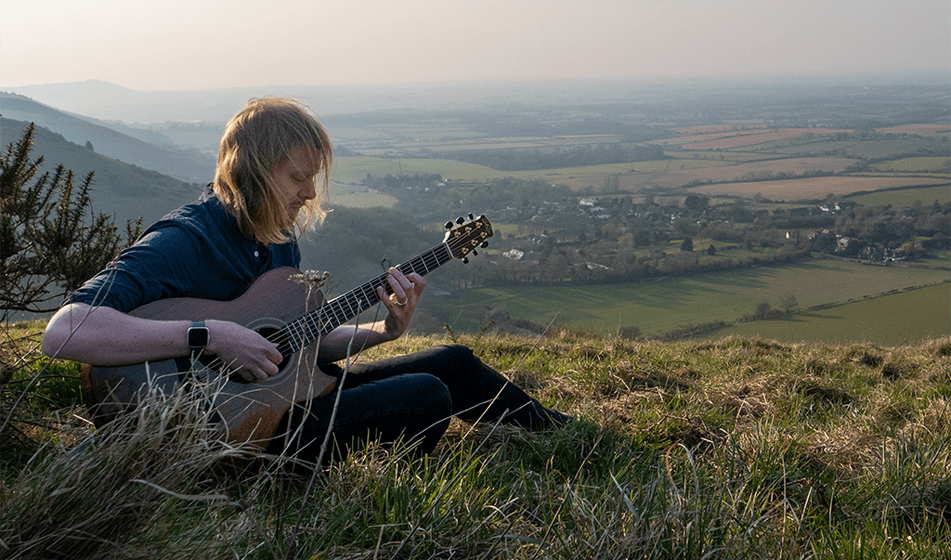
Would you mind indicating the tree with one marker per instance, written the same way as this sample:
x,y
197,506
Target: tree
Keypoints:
x,y
696,204
687,245
50,240
788,302
630,332
642,238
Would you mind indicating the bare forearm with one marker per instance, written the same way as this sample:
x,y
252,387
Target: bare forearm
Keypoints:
x,y
348,340
104,336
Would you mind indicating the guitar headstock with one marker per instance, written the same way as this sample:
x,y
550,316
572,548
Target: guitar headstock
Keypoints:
x,y
465,237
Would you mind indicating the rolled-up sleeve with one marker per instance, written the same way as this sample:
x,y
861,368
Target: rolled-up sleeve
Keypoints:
x,y
197,251
161,264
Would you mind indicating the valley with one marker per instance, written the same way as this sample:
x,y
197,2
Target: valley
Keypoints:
x,y
629,212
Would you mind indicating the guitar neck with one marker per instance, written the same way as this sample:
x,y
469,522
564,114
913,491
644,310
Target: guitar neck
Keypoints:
x,y
337,311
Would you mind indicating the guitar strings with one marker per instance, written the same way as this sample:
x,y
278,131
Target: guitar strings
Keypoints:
x,y
300,332
306,329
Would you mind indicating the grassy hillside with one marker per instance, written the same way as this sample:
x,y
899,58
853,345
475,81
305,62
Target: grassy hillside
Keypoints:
x,y
120,189
153,154
741,448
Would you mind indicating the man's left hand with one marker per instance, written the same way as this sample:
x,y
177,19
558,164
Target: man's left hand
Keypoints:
x,y
401,304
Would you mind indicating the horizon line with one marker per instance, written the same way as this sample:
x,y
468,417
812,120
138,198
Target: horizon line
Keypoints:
x,y
933,74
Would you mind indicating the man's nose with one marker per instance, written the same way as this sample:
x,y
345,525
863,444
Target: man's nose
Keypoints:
x,y
309,191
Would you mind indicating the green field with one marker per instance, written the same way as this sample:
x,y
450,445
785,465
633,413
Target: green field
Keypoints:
x,y
355,169
723,156
653,166
906,197
362,199
904,318
661,306
864,149
913,164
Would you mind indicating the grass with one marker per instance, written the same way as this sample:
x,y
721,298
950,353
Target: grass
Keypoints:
x,y
607,169
727,156
895,319
363,200
738,448
863,149
905,197
914,164
355,169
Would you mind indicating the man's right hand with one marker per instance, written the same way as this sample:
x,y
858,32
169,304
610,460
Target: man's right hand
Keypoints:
x,y
254,357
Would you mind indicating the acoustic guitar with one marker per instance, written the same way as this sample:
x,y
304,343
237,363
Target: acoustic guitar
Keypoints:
x,y
283,308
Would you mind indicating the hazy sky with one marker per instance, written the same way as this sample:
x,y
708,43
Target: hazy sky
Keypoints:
x,y
202,44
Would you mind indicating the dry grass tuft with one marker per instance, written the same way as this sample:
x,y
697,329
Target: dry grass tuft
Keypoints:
x,y
94,499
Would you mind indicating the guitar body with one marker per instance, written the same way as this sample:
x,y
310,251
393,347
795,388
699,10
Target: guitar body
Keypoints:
x,y
248,411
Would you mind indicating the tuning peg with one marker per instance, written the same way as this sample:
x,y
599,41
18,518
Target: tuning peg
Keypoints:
x,y
460,220
471,217
484,244
448,225
465,260
475,253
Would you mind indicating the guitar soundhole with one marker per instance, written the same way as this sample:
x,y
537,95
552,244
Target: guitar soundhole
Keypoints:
x,y
274,335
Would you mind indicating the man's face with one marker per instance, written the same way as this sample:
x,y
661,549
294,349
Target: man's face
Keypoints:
x,y
294,180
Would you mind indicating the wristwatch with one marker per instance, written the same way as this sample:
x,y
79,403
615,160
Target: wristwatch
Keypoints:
x,y
197,336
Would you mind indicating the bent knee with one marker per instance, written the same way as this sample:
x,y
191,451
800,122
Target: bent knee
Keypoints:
x,y
455,352
429,389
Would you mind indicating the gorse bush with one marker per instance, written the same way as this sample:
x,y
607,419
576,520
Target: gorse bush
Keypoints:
x,y
740,448
50,240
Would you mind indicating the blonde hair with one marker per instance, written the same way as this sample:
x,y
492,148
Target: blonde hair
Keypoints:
x,y
258,138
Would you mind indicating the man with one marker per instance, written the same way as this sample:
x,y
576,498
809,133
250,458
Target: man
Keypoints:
x,y
274,160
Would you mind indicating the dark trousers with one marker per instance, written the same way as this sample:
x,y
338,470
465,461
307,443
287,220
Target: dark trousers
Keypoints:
x,y
410,398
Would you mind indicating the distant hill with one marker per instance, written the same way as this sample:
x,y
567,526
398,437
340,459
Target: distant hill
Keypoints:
x,y
69,95
111,102
119,189
112,141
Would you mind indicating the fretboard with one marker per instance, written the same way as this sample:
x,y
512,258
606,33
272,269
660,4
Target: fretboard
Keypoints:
x,y
308,328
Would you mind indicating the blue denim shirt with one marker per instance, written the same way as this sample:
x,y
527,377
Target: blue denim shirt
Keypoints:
x,y
195,251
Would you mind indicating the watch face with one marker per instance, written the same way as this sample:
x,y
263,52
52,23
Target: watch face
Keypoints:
x,y
197,337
